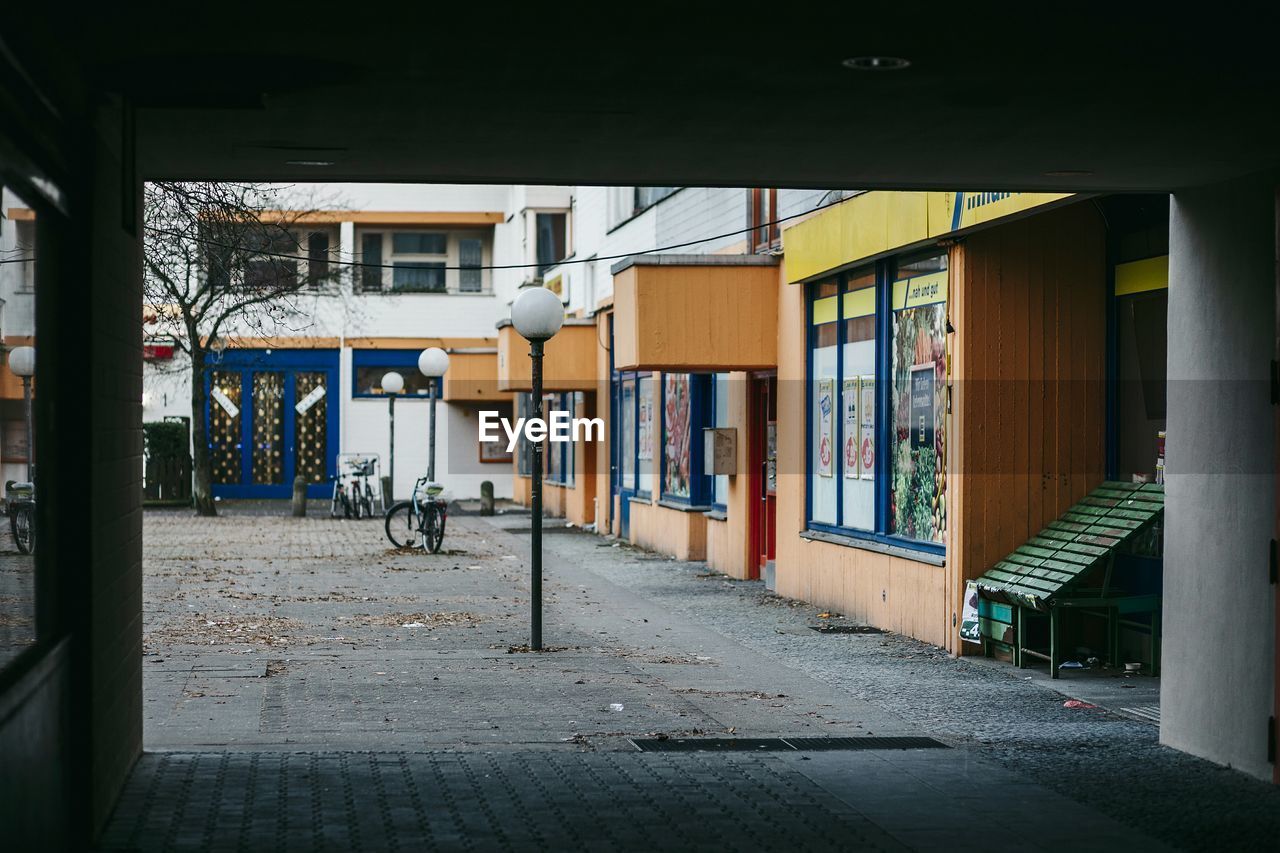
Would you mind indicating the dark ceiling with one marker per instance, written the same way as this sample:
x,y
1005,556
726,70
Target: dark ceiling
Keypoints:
x,y
1046,100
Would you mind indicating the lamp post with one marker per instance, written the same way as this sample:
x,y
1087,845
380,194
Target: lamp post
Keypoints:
x,y
537,314
432,363
392,384
22,361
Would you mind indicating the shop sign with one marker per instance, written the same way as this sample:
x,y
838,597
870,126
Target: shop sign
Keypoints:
x,y
826,414
922,397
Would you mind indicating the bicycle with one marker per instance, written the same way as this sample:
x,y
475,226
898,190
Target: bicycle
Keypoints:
x,y
20,503
356,498
420,519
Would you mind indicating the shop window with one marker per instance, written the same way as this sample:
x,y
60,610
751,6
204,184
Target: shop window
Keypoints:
x,y
877,402
720,418
495,451
558,456
646,434
369,366
917,404
627,433
685,411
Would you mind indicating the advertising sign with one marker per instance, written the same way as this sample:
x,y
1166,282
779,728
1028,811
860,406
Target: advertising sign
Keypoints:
x,y
852,444
867,434
826,416
922,399
969,628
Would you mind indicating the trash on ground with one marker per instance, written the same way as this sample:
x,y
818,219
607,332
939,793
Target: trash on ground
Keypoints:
x,y
1076,703
615,706
1071,664
414,625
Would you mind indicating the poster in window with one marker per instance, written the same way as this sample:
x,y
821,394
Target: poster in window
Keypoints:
x,y
771,457
970,629
922,406
826,415
867,433
852,445
675,446
644,431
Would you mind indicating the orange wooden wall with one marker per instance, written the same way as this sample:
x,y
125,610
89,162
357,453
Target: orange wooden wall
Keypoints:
x,y
1029,357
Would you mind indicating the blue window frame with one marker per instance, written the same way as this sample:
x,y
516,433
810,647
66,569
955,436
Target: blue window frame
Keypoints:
x,y
559,455
369,365
876,399
685,409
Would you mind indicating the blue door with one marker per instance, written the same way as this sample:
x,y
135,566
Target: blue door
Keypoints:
x,y
624,449
271,415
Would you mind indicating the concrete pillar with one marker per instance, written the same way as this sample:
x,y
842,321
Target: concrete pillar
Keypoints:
x,y
1219,646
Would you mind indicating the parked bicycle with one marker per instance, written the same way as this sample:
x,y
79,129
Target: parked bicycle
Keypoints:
x,y
419,520
355,497
20,503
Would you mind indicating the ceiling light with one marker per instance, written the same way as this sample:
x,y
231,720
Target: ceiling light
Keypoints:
x,y
308,162
876,63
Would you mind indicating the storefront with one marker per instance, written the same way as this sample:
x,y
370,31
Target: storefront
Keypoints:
x,y
694,347
942,394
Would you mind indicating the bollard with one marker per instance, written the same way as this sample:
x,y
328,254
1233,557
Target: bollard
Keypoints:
x,y
486,498
387,497
299,497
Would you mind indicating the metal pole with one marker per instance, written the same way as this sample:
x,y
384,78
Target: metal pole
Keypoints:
x,y
26,410
535,543
392,408
431,432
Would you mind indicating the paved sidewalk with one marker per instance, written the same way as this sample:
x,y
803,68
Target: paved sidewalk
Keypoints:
x,y
281,643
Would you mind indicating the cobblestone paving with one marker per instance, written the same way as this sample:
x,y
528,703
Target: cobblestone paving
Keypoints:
x,y
17,597
313,658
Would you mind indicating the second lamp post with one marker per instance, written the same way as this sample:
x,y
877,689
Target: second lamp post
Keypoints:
x,y
432,362
537,314
392,384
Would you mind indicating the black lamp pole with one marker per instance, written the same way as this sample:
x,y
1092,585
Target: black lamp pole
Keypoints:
x,y
391,408
431,431
535,534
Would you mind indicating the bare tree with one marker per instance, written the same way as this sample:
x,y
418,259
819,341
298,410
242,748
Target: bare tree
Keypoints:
x,y
221,260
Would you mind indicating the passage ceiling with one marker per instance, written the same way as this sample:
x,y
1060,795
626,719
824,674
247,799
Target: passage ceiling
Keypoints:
x,y
400,92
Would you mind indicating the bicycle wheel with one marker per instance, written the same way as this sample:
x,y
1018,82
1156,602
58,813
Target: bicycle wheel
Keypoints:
x,y
433,534
24,534
402,525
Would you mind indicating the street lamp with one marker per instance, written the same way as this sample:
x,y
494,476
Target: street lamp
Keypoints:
x,y
22,361
432,363
392,384
537,314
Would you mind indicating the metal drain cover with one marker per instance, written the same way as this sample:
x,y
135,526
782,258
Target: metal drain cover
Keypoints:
x,y
777,744
846,629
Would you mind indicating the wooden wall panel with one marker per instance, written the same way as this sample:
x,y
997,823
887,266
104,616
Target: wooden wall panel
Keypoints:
x,y
1029,307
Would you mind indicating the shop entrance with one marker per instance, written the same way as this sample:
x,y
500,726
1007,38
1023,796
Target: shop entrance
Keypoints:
x,y
763,400
269,418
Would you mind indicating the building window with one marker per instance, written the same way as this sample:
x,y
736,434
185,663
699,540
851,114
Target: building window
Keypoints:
x,y
551,233
877,450
470,259
371,256
368,366
676,420
496,450
317,258
627,433
647,197
417,277
416,243
765,231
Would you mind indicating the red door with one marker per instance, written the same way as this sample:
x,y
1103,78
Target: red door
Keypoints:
x,y
764,469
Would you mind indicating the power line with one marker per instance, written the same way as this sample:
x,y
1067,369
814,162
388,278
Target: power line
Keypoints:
x,y
364,265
